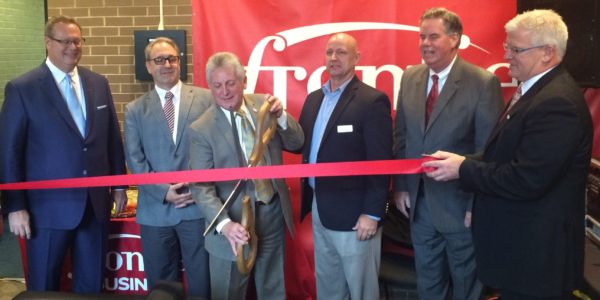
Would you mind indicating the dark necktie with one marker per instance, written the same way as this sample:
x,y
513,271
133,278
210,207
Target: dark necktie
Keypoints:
x,y
169,110
431,98
263,187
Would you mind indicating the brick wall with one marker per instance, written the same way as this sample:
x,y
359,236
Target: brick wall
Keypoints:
x,y
22,37
108,27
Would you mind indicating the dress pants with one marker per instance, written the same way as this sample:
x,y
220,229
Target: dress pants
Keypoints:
x,y
346,267
226,281
442,258
165,247
47,248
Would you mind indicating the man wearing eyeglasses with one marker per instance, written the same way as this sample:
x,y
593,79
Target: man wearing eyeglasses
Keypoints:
x,y
530,181
156,140
59,121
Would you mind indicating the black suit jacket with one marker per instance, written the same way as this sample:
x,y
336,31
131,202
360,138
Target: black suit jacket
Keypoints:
x,y
341,200
528,216
39,140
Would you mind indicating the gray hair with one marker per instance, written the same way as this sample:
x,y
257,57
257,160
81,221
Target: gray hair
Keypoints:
x,y
225,59
158,40
546,27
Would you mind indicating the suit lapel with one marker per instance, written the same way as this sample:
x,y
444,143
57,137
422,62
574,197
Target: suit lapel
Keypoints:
x,y
449,89
157,116
54,95
520,106
89,101
185,104
421,97
345,99
224,127
253,108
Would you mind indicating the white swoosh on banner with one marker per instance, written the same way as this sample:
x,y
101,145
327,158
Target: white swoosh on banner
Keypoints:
x,y
300,34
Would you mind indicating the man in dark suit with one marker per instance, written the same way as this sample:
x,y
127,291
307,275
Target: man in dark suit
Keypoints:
x,y
346,120
528,216
156,140
59,121
460,118
218,140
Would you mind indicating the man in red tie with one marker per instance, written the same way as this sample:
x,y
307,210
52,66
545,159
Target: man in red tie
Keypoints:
x,y
445,103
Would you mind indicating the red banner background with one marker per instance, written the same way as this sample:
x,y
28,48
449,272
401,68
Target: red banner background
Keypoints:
x,y
282,44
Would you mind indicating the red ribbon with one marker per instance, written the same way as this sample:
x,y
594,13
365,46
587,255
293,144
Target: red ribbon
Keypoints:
x,y
376,167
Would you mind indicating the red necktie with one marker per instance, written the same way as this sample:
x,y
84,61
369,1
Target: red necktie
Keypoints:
x,y
431,98
516,96
169,110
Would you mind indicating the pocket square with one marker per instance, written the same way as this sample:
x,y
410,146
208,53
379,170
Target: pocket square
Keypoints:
x,y
345,128
101,107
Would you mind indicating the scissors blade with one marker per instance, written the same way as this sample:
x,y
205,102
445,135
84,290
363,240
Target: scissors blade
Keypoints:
x,y
239,186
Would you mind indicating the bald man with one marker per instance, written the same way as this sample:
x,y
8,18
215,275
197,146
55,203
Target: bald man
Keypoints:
x,y
346,120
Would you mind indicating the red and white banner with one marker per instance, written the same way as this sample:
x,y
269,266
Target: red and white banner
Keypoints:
x,y
282,44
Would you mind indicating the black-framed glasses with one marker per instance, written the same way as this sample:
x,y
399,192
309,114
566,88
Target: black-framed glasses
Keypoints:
x,y
162,59
517,50
76,42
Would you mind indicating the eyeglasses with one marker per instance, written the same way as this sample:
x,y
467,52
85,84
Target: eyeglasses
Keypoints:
x,y
517,50
162,59
76,42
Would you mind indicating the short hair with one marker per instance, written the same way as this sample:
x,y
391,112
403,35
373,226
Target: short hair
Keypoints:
x,y
225,59
546,27
59,19
452,23
158,40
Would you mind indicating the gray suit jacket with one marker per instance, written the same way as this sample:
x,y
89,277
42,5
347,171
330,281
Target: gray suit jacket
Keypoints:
x,y
465,113
150,148
212,145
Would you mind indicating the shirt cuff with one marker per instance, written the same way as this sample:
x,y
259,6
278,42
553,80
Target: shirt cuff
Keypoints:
x,y
374,218
282,121
222,224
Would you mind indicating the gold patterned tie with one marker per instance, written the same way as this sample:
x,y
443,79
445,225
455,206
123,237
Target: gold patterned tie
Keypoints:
x,y
263,187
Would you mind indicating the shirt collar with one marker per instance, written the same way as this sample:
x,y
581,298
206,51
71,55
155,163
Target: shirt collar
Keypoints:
x,y
444,73
341,88
176,90
58,74
527,84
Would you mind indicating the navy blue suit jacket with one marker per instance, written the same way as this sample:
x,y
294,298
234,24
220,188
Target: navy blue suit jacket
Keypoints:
x,y
341,200
39,140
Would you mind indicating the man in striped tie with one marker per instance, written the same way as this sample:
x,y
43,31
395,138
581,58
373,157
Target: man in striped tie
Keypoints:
x,y
156,126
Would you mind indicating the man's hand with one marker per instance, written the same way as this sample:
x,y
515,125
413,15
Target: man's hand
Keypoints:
x,y
446,168
365,227
120,199
276,105
235,234
18,222
402,201
182,199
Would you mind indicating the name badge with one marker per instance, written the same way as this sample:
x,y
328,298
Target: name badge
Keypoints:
x,y
344,128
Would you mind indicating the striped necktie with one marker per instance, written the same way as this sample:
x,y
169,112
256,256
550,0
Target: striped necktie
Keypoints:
x,y
169,110
263,187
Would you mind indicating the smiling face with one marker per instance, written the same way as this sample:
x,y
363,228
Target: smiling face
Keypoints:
x,y
527,64
437,47
64,57
341,57
227,88
167,75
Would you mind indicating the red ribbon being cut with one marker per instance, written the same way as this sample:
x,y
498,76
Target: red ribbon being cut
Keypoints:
x,y
376,167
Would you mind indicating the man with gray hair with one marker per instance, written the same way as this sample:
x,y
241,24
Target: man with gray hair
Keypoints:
x,y
222,138
530,181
